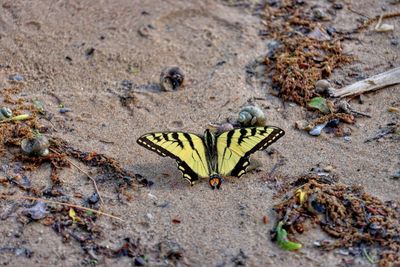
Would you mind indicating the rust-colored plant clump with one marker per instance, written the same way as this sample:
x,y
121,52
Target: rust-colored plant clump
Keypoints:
x,y
354,218
306,52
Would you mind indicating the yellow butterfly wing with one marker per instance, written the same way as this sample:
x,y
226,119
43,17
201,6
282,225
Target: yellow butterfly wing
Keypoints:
x,y
235,147
187,149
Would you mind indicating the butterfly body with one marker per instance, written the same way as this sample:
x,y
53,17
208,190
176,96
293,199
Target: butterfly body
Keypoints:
x,y
211,155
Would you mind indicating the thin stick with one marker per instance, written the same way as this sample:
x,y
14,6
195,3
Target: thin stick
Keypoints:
x,y
60,203
382,80
87,174
358,13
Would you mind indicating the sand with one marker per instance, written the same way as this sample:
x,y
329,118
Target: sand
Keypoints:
x,y
50,43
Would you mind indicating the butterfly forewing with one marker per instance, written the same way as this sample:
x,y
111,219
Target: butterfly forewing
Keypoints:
x,y
235,147
186,148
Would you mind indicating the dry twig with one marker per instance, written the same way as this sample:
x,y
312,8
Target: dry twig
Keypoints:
x,y
88,175
59,203
382,80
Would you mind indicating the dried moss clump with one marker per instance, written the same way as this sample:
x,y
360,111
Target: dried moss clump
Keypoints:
x,y
306,52
354,218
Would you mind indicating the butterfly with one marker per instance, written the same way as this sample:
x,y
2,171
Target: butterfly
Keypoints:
x,y
211,155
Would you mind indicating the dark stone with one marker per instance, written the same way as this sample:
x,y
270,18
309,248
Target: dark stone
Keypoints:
x,y
330,30
338,6
139,261
93,199
394,42
16,78
89,52
127,84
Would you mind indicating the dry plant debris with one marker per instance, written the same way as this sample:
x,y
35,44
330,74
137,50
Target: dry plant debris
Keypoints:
x,y
53,206
306,53
353,218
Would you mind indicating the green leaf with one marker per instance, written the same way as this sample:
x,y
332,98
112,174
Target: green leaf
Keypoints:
x,y
17,118
20,117
320,104
283,241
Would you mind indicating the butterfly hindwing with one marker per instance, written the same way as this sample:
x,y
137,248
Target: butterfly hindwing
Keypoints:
x,y
240,167
186,148
235,147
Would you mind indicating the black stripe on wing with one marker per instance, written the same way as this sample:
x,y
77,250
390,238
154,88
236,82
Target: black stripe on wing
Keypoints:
x,y
242,165
143,141
267,141
187,172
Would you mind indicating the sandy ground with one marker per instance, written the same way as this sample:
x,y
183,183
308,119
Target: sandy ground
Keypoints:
x,y
48,43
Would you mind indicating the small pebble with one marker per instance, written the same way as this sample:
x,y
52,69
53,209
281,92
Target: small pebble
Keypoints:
x,y
149,216
343,252
127,84
301,125
347,139
273,2
16,78
319,35
127,179
176,221
150,195
394,42
338,6
317,243
347,131
330,30
89,52
322,86
333,123
162,205
25,182
361,99
65,110
93,199
316,131
396,175
319,14
139,261
273,47
225,127
23,252
38,211
328,168
146,182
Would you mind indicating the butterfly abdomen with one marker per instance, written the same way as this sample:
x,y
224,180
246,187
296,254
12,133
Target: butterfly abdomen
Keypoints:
x,y
211,151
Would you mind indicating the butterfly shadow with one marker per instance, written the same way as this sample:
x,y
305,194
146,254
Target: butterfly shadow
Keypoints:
x,y
161,176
